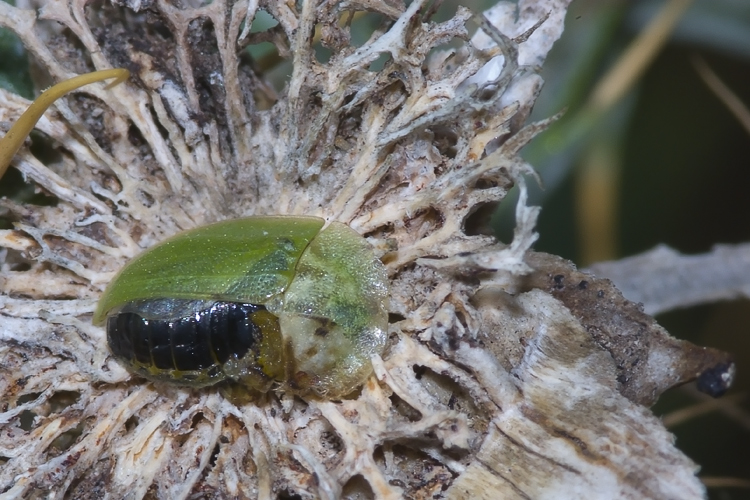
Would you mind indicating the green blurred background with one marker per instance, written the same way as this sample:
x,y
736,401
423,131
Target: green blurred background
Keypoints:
x,y
664,162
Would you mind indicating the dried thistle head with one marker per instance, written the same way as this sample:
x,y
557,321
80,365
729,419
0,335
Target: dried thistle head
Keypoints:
x,y
502,376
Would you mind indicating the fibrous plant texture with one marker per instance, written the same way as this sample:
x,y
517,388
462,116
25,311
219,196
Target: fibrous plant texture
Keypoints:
x,y
508,374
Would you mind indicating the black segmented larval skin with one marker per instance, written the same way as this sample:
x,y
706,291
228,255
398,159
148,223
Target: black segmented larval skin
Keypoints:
x,y
192,349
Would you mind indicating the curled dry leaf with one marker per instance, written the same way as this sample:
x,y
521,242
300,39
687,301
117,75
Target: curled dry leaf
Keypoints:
x,y
493,383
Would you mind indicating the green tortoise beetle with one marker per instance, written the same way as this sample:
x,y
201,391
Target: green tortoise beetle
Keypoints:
x,y
263,300
259,300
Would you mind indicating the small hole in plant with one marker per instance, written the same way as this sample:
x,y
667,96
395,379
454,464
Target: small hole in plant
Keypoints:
x,y
214,455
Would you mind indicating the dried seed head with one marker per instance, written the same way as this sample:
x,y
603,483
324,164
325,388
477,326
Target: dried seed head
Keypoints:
x,y
488,388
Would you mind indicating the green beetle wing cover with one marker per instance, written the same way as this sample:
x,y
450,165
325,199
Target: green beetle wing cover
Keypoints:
x,y
240,260
334,313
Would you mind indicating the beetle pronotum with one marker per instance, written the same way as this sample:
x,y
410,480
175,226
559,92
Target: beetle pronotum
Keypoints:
x,y
264,300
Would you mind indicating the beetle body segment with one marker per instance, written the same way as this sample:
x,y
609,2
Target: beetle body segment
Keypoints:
x,y
191,348
260,300
334,313
242,260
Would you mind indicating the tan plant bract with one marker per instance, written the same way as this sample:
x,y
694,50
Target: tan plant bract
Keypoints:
x,y
492,385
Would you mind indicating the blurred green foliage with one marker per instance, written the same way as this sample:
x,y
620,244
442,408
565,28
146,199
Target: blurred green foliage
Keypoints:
x,y
14,65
